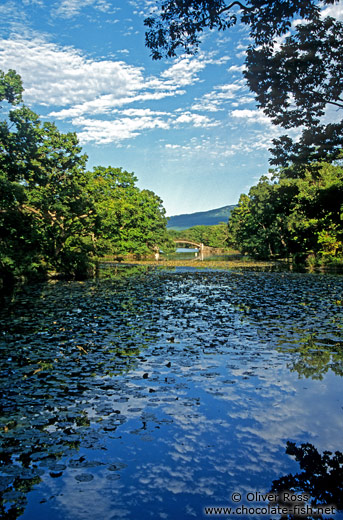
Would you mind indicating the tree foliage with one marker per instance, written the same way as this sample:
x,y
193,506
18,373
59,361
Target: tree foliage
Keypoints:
x,y
56,215
321,477
295,71
296,83
44,206
292,216
129,220
11,87
179,24
212,236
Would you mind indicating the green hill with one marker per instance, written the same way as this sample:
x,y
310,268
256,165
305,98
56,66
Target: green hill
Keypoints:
x,y
200,218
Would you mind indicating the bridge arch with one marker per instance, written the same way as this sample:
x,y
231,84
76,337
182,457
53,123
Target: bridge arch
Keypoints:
x,y
185,241
180,241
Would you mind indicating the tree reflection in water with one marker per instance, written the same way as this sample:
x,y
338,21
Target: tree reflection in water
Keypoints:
x,y
315,356
321,478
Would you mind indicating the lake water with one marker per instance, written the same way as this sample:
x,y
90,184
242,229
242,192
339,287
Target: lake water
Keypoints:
x,y
182,253
165,393
188,253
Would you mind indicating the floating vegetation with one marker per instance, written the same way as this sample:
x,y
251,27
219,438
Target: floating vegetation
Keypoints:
x,y
163,383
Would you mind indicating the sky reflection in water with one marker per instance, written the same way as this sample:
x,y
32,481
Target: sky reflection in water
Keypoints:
x,y
158,395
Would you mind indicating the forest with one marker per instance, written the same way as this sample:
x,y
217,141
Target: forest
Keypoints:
x,y
299,218
295,72
55,215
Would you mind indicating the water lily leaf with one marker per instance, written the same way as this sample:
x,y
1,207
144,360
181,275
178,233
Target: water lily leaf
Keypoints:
x,y
84,477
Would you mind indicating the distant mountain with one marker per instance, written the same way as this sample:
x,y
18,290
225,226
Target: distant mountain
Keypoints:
x,y
200,218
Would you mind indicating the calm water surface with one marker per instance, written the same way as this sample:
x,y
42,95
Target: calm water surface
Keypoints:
x,y
161,394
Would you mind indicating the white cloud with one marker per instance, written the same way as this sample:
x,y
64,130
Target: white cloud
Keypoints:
x,y
72,8
62,76
104,6
336,11
130,123
236,68
108,104
143,112
12,18
207,104
78,88
40,3
229,90
252,116
54,75
214,100
93,95
196,119
173,146
259,141
213,148
244,100
218,61
105,132
144,7
184,71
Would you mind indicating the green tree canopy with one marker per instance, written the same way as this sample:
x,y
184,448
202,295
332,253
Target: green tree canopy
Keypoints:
x,y
44,210
129,220
295,79
11,87
292,217
212,236
296,83
54,214
179,24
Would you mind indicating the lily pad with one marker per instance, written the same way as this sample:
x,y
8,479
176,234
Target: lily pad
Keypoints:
x,y
84,477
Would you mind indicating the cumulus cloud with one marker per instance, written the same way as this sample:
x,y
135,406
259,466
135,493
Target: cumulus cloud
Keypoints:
x,y
144,7
173,146
336,11
93,94
34,2
184,71
237,68
107,104
129,123
196,119
106,99
116,130
72,8
12,18
251,116
214,148
220,95
61,76
244,100
257,140
132,112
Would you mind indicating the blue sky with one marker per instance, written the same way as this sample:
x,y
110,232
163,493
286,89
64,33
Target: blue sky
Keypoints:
x,y
188,128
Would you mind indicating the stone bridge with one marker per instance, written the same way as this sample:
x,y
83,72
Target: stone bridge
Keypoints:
x,y
199,246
